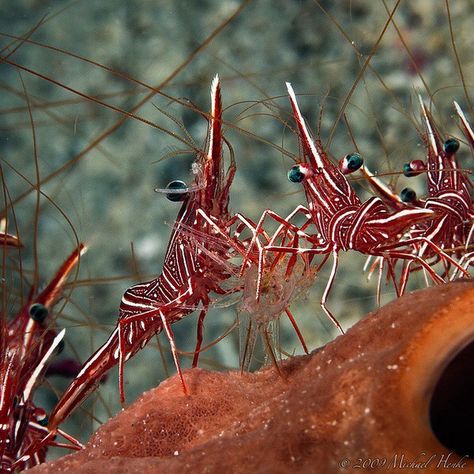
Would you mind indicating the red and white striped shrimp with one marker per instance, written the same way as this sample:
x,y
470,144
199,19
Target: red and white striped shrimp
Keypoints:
x,y
28,342
469,134
190,272
342,220
449,194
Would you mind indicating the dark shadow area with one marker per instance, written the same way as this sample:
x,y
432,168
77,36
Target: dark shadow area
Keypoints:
x,y
452,404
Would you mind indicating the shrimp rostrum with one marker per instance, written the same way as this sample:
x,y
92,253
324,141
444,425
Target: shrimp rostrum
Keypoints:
x,y
449,196
342,221
28,342
191,270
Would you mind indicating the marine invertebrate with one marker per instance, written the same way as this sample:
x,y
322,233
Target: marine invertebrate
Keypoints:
x,y
448,195
107,191
28,341
189,273
342,220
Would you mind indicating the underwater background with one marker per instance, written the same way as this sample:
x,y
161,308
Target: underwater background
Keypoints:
x,y
107,193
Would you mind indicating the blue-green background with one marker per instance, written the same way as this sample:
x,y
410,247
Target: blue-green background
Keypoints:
x,y
108,194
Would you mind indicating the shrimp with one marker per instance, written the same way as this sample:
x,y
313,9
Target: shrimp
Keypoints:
x,y
28,342
342,220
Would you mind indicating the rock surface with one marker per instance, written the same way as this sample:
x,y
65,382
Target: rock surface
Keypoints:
x,y
364,397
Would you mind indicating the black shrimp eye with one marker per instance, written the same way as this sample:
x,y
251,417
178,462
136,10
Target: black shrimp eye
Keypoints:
x,y
43,421
413,168
176,185
38,312
354,161
295,175
408,195
407,171
451,146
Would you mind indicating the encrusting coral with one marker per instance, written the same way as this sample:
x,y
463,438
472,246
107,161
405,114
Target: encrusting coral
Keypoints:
x,y
376,395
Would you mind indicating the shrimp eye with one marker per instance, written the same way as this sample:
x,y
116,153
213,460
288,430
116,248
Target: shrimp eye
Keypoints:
x,y
407,171
38,312
353,162
413,168
295,175
177,185
408,195
43,421
451,146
